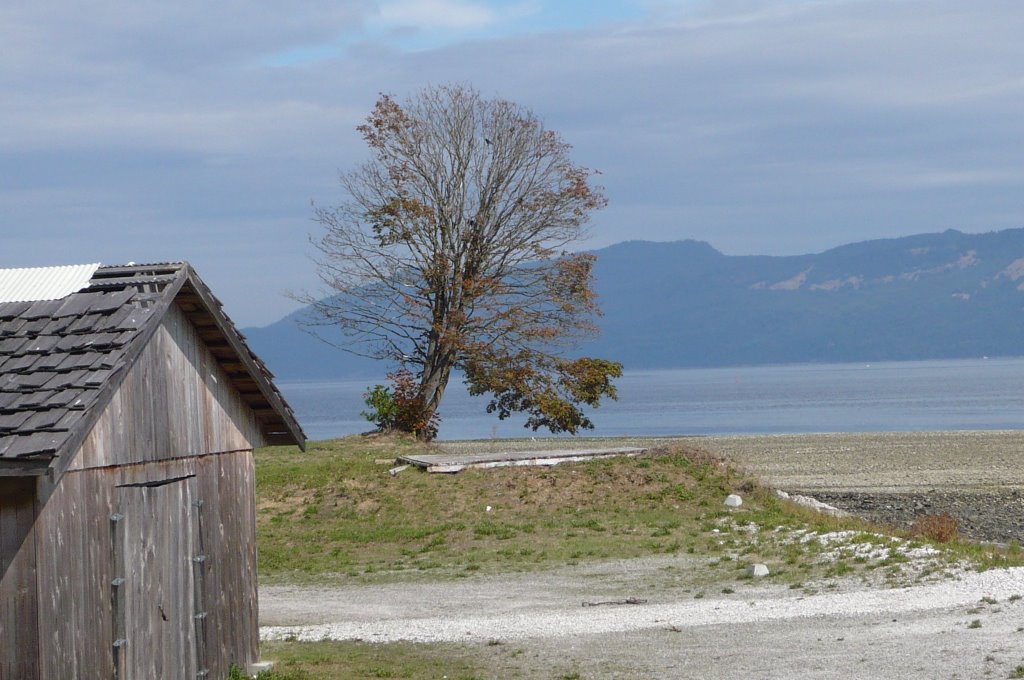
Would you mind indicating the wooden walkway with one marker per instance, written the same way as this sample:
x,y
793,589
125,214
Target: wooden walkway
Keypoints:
x,y
456,462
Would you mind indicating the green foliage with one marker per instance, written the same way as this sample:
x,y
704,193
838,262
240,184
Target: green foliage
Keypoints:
x,y
551,391
400,407
382,407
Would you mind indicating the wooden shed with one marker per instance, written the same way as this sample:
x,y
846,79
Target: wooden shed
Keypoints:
x,y
130,406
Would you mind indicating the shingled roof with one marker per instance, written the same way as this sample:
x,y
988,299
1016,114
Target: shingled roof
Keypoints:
x,y
61,360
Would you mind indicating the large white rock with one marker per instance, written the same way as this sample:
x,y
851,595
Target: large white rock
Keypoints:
x,y
758,570
813,503
733,501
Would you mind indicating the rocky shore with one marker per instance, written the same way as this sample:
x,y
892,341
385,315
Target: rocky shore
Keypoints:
x,y
996,516
896,478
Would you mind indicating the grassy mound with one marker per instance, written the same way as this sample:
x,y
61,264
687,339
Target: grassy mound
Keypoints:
x,y
334,512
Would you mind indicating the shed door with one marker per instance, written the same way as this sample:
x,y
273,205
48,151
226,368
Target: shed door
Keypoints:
x,y
155,602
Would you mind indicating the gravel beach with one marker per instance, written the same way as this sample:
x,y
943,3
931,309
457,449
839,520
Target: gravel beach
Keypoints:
x,y
880,462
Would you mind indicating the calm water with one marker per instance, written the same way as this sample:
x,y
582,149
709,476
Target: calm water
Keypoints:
x,y
983,394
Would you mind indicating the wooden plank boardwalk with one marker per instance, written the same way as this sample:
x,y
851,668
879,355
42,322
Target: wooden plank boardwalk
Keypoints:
x,y
456,462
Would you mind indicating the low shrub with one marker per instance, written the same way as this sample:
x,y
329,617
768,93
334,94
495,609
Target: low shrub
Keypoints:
x,y
940,528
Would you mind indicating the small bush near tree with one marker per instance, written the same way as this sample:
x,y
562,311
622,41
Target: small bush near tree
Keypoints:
x,y
411,415
382,407
400,407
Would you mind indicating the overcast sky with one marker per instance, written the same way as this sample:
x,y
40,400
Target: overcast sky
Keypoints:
x,y
146,130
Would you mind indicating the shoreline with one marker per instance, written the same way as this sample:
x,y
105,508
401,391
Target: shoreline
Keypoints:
x,y
866,462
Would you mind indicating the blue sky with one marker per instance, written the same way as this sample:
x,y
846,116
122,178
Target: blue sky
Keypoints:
x,y
418,25
149,131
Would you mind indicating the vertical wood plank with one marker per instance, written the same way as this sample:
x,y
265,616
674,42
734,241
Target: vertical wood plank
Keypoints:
x,y
19,625
227,487
74,572
77,566
158,552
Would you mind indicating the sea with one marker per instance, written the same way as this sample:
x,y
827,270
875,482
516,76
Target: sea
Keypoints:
x,y
904,396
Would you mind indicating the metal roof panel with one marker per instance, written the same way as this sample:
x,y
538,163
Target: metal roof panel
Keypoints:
x,y
30,284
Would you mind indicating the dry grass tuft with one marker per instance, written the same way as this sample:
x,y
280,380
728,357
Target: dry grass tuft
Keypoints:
x,y
940,528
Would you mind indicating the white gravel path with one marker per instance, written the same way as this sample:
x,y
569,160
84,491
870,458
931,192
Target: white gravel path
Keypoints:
x,y
573,619
761,631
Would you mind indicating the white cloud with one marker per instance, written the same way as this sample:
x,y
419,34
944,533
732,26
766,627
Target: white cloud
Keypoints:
x,y
167,36
437,14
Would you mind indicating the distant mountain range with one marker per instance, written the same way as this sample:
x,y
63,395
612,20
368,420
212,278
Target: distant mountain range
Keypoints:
x,y
684,304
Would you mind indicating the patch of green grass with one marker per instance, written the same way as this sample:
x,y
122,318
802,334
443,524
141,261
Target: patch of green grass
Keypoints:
x,y
838,569
334,511
359,661
237,673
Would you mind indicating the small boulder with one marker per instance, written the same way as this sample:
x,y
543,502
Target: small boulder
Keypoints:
x,y
758,570
733,501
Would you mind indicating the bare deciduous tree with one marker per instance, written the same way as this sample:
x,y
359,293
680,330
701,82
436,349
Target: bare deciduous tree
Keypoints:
x,y
451,253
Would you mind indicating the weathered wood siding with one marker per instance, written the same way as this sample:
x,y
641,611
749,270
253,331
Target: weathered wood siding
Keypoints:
x,y
175,402
228,539
74,572
19,626
153,548
180,535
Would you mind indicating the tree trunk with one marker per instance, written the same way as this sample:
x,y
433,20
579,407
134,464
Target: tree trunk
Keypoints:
x,y
436,373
